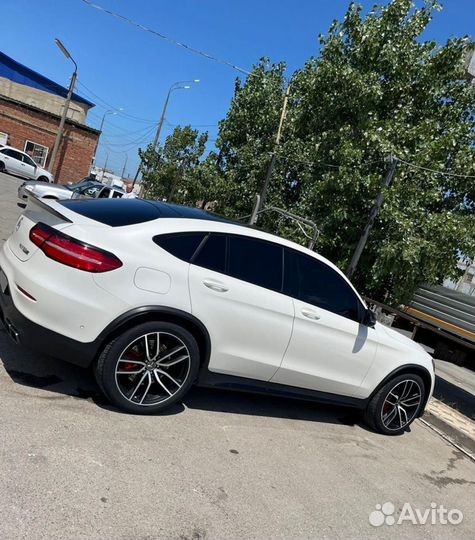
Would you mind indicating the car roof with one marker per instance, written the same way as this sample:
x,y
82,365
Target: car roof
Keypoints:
x,y
123,212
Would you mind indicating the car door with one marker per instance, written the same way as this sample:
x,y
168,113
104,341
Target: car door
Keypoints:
x,y
28,166
13,161
330,350
235,288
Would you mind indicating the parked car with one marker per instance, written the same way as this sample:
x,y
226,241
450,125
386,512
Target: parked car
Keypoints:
x,y
158,297
14,161
84,188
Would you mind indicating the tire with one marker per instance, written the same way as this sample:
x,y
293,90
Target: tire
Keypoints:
x,y
43,179
2,167
142,383
383,413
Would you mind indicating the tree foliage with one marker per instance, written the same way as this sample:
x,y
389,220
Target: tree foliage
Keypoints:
x,y
376,89
169,172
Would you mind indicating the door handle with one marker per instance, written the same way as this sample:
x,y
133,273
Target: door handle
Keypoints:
x,y
310,314
215,285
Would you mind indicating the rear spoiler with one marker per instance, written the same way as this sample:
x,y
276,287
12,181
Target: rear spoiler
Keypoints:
x,y
34,200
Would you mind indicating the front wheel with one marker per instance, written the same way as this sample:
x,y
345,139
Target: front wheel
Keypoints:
x,y
396,405
149,367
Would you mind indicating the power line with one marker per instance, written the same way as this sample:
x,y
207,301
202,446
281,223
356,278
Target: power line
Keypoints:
x,y
132,144
110,106
166,38
434,170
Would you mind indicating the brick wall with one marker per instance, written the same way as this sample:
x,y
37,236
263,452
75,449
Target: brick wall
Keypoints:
x,y
23,122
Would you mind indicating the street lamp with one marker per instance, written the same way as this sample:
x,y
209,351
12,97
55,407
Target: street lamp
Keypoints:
x,y
59,135
113,112
179,85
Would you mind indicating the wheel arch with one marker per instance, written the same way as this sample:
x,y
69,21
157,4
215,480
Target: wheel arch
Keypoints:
x,y
413,369
163,314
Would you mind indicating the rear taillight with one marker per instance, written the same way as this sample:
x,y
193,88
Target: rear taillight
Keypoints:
x,y
66,250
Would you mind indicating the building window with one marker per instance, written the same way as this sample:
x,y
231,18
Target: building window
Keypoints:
x,y
3,138
37,152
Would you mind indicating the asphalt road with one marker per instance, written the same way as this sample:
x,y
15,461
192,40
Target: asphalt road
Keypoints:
x,y
221,465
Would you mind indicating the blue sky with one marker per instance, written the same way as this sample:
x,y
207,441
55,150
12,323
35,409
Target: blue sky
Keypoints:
x,y
129,68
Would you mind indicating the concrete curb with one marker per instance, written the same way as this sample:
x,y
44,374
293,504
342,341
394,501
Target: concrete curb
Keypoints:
x,y
457,427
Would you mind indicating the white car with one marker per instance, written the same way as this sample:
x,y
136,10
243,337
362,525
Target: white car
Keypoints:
x,y
159,297
14,161
83,188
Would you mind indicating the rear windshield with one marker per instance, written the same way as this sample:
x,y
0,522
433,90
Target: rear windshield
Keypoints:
x,y
114,212
120,212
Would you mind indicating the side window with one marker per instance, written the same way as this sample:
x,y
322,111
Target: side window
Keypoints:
x,y
90,191
314,282
28,160
104,194
256,261
181,245
117,194
212,254
13,153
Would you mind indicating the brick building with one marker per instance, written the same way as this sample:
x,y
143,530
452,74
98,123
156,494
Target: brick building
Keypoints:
x,y
30,111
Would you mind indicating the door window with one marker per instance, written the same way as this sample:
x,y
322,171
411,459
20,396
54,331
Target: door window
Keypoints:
x,y
181,245
314,282
256,261
28,160
104,194
212,254
12,153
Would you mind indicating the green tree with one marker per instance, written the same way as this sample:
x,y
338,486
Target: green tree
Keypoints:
x,y
168,172
377,89
246,136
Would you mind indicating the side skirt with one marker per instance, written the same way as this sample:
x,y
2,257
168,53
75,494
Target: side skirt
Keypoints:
x,y
209,379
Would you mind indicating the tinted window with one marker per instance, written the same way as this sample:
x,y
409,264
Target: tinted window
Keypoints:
x,y
114,212
182,246
104,194
316,283
13,154
28,160
212,254
256,261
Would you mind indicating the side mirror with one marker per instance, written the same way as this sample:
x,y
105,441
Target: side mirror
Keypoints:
x,y
369,318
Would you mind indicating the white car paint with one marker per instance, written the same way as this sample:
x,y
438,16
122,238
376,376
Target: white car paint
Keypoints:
x,y
95,190
19,163
255,332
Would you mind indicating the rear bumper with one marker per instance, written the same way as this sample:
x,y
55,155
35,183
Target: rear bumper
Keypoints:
x,y
36,337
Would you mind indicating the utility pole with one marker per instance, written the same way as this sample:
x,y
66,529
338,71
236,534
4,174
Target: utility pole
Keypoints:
x,y
59,135
378,203
104,168
123,168
265,186
101,127
175,86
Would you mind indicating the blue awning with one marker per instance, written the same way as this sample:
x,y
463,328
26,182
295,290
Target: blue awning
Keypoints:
x,y
18,73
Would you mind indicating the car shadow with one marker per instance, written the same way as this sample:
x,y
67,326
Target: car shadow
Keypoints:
x,y
34,370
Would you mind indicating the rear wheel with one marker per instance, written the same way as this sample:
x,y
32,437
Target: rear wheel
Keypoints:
x,y
149,367
395,406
